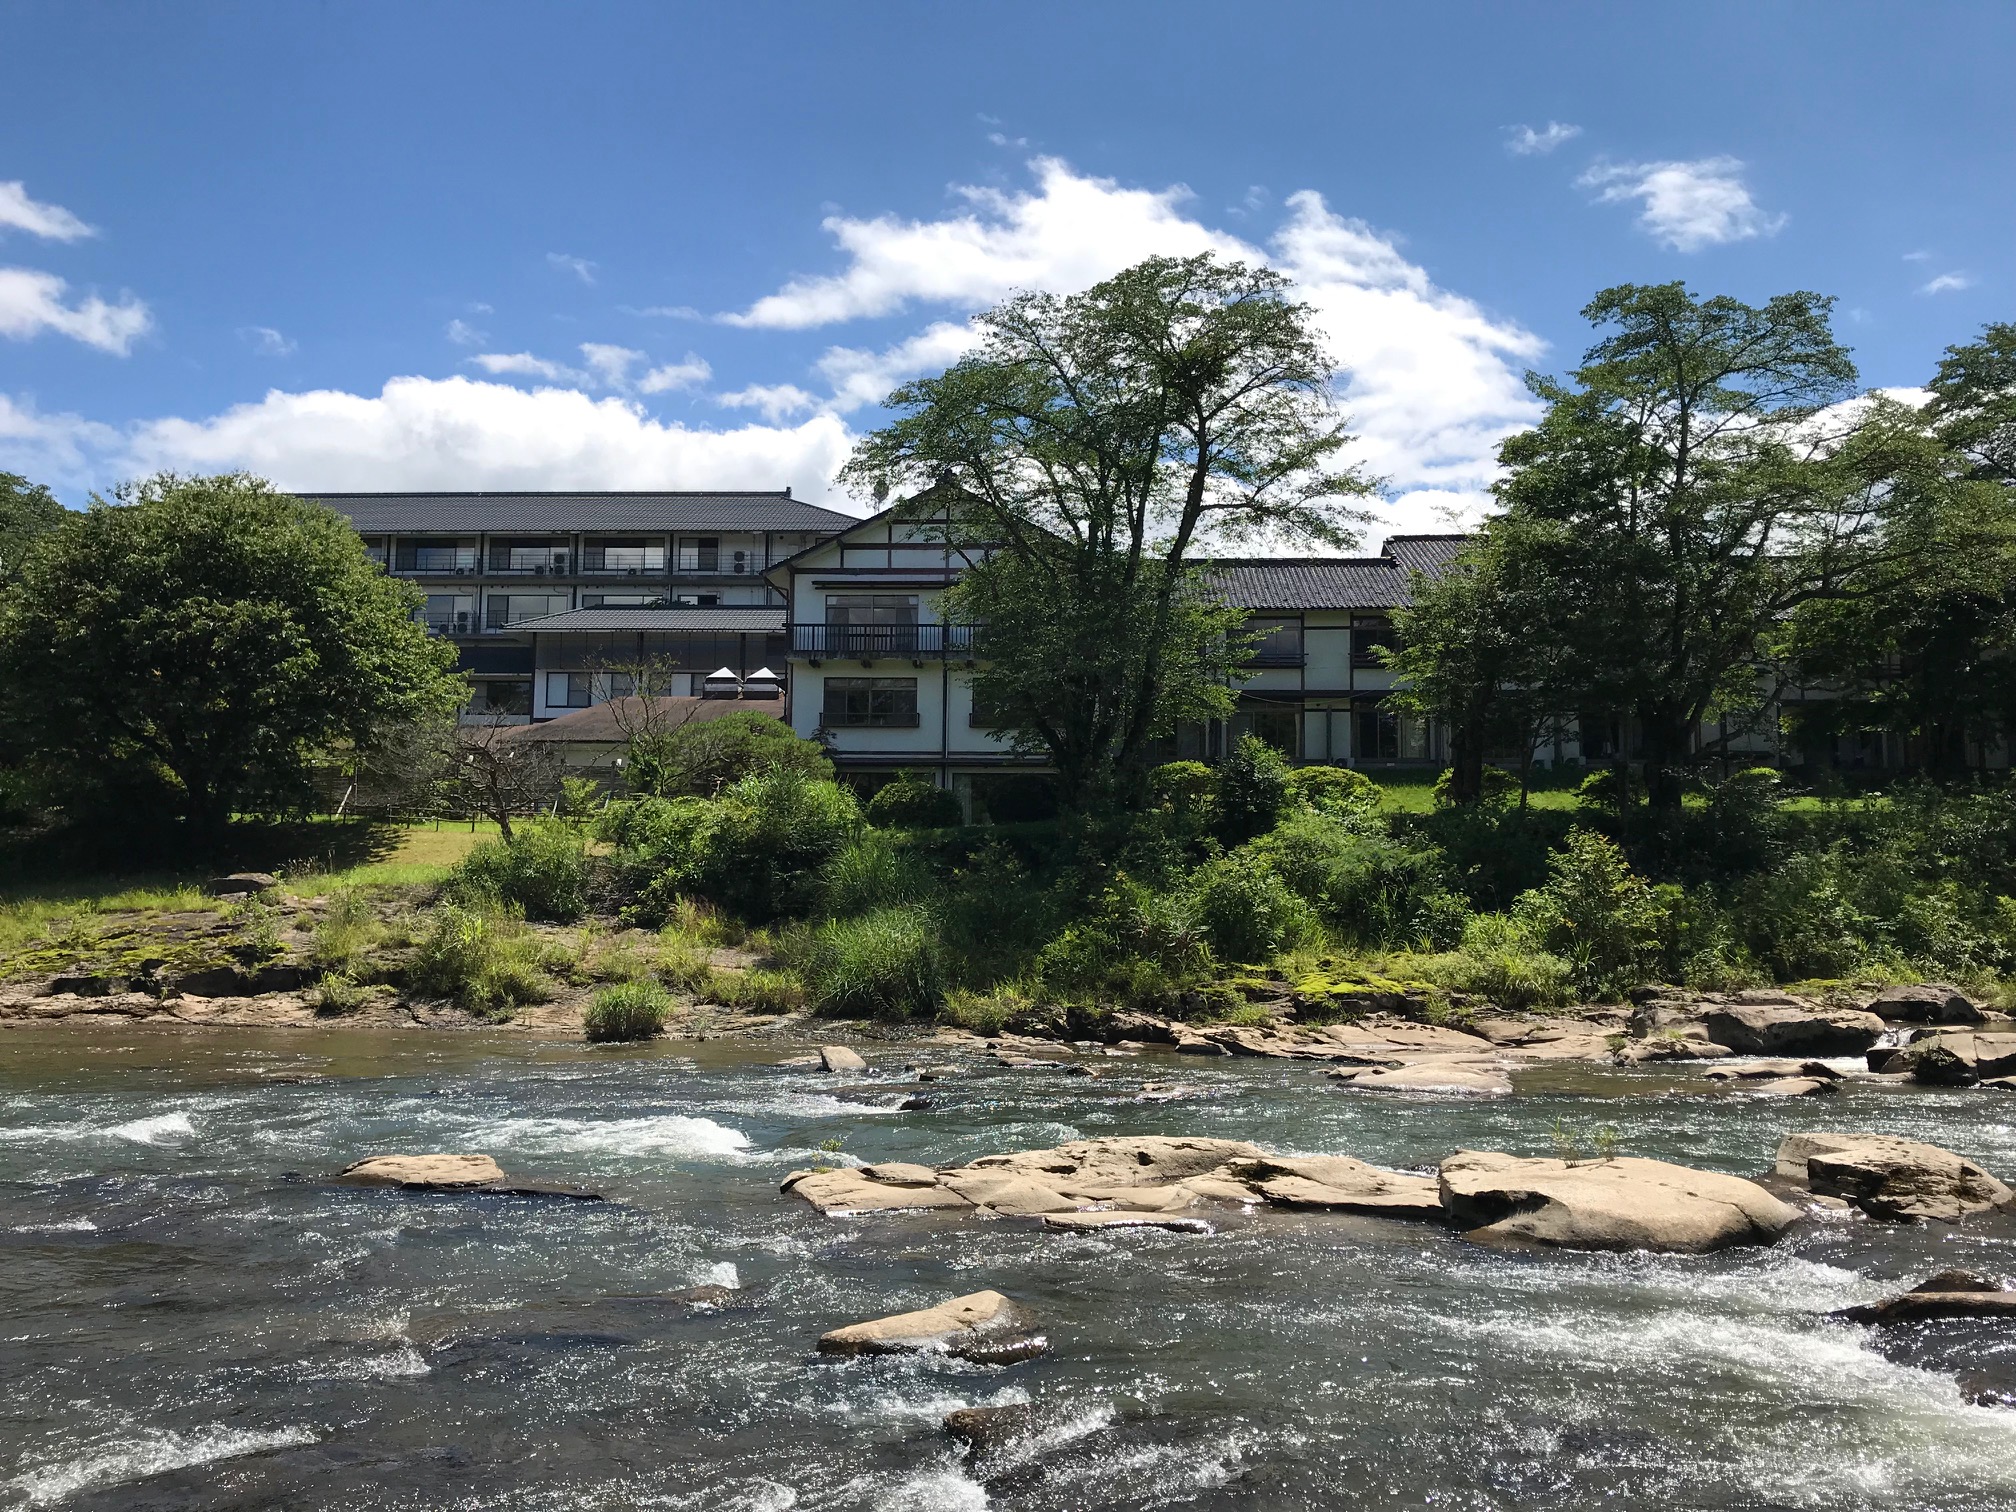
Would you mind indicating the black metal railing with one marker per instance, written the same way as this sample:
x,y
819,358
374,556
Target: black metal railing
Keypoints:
x,y
871,641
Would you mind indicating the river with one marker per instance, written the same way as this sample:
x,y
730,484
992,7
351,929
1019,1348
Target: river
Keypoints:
x,y
191,1318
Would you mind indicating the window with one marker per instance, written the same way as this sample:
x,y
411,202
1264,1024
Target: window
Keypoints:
x,y
1367,638
630,557
620,600
449,613
569,690
696,600
1277,727
1384,735
436,556
867,624
1280,643
512,608
881,702
502,698
700,554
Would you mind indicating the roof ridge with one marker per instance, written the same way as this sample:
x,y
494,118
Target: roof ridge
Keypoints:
x,y
557,493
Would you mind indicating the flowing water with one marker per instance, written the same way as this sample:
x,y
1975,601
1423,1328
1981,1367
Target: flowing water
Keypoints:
x,y
191,1318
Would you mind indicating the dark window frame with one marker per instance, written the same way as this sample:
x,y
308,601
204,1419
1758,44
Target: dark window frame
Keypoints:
x,y
869,703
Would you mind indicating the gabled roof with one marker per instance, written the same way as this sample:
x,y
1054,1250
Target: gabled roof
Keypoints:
x,y
1290,583
569,511
622,621
1424,553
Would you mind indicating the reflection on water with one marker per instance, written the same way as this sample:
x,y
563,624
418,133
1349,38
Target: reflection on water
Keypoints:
x,y
190,1319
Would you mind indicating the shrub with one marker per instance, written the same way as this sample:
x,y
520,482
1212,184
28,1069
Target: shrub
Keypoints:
x,y
1596,913
873,872
542,870
628,1011
1252,789
485,962
1185,788
913,801
1339,792
683,967
701,758
1246,910
1501,961
758,991
1370,888
1496,787
883,964
338,994
760,850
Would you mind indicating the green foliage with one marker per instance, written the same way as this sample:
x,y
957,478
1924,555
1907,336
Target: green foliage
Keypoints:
x,y
543,871
1338,792
758,850
1253,789
1248,913
984,1012
578,798
1188,789
872,872
700,758
346,933
883,964
338,994
758,991
627,1011
1496,787
1368,888
913,801
1501,961
1595,913
28,511
204,640
483,960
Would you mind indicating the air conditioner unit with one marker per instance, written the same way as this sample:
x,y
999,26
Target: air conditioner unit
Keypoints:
x,y
631,571
461,572
538,569
559,561
462,619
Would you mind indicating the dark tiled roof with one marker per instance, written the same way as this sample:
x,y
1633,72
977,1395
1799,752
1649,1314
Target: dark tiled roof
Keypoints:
x,y
424,512
1380,582
707,621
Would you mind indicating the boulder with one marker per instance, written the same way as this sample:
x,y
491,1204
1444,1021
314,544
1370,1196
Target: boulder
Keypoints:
x,y
1004,1192
1949,1294
1620,1204
241,884
1774,1070
1338,1183
1930,1003
1450,1077
1793,1086
1133,1161
986,1430
983,1326
441,1173
1791,1028
840,1058
1892,1178
1956,1058
854,1190
1124,1218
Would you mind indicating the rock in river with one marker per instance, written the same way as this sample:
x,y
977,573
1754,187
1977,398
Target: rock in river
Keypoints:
x,y
1929,1003
984,1326
1453,1078
840,1058
1888,1177
449,1173
1789,1026
1950,1294
1619,1204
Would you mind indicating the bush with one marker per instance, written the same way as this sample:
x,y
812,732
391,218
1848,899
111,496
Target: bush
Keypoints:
x,y
883,964
873,872
338,994
1252,789
1246,910
1338,792
913,801
485,962
1501,961
628,1011
1186,788
542,871
701,758
761,849
1496,787
757,991
1596,913
1371,889
987,1012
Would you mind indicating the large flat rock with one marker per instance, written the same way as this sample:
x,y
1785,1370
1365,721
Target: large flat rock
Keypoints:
x,y
1619,1204
1889,1177
1791,1028
854,1190
982,1326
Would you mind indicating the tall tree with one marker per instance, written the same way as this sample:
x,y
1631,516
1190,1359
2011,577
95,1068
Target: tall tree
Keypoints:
x,y
1711,481
211,635
27,511
1974,403
1082,459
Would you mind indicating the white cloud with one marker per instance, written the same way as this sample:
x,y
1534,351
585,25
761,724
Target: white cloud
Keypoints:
x,y
60,449
20,213
1917,257
774,401
268,342
1002,139
524,365
610,364
684,373
580,267
32,302
464,334
1947,283
1071,231
1524,141
861,377
463,433
1688,206
663,312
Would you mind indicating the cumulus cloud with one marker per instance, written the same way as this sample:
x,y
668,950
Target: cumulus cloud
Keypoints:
x,y
1947,283
684,373
861,377
580,267
1524,141
1071,231
268,342
774,401
525,365
1687,206
20,213
610,365
63,449
32,302
463,433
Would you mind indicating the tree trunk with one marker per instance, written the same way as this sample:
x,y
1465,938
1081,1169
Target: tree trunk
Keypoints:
x,y
1667,748
1466,764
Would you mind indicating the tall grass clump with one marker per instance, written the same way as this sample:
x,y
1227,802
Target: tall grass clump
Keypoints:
x,y
1501,961
483,960
626,1011
873,872
883,964
758,991
346,933
542,871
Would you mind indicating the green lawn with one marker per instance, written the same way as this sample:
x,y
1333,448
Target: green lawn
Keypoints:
x,y
1412,792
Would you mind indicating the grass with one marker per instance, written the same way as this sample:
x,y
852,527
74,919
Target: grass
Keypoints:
x,y
1413,792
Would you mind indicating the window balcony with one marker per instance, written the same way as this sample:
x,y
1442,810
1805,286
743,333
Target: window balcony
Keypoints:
x,y
869,642
702,561
521,566
1275,656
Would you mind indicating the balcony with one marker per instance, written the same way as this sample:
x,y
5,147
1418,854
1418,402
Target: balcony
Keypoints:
x,y
519,564
447,561
869,642
614,566
1275,656
700,561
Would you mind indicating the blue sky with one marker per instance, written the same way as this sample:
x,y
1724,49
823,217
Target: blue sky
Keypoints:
x,y
655,245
